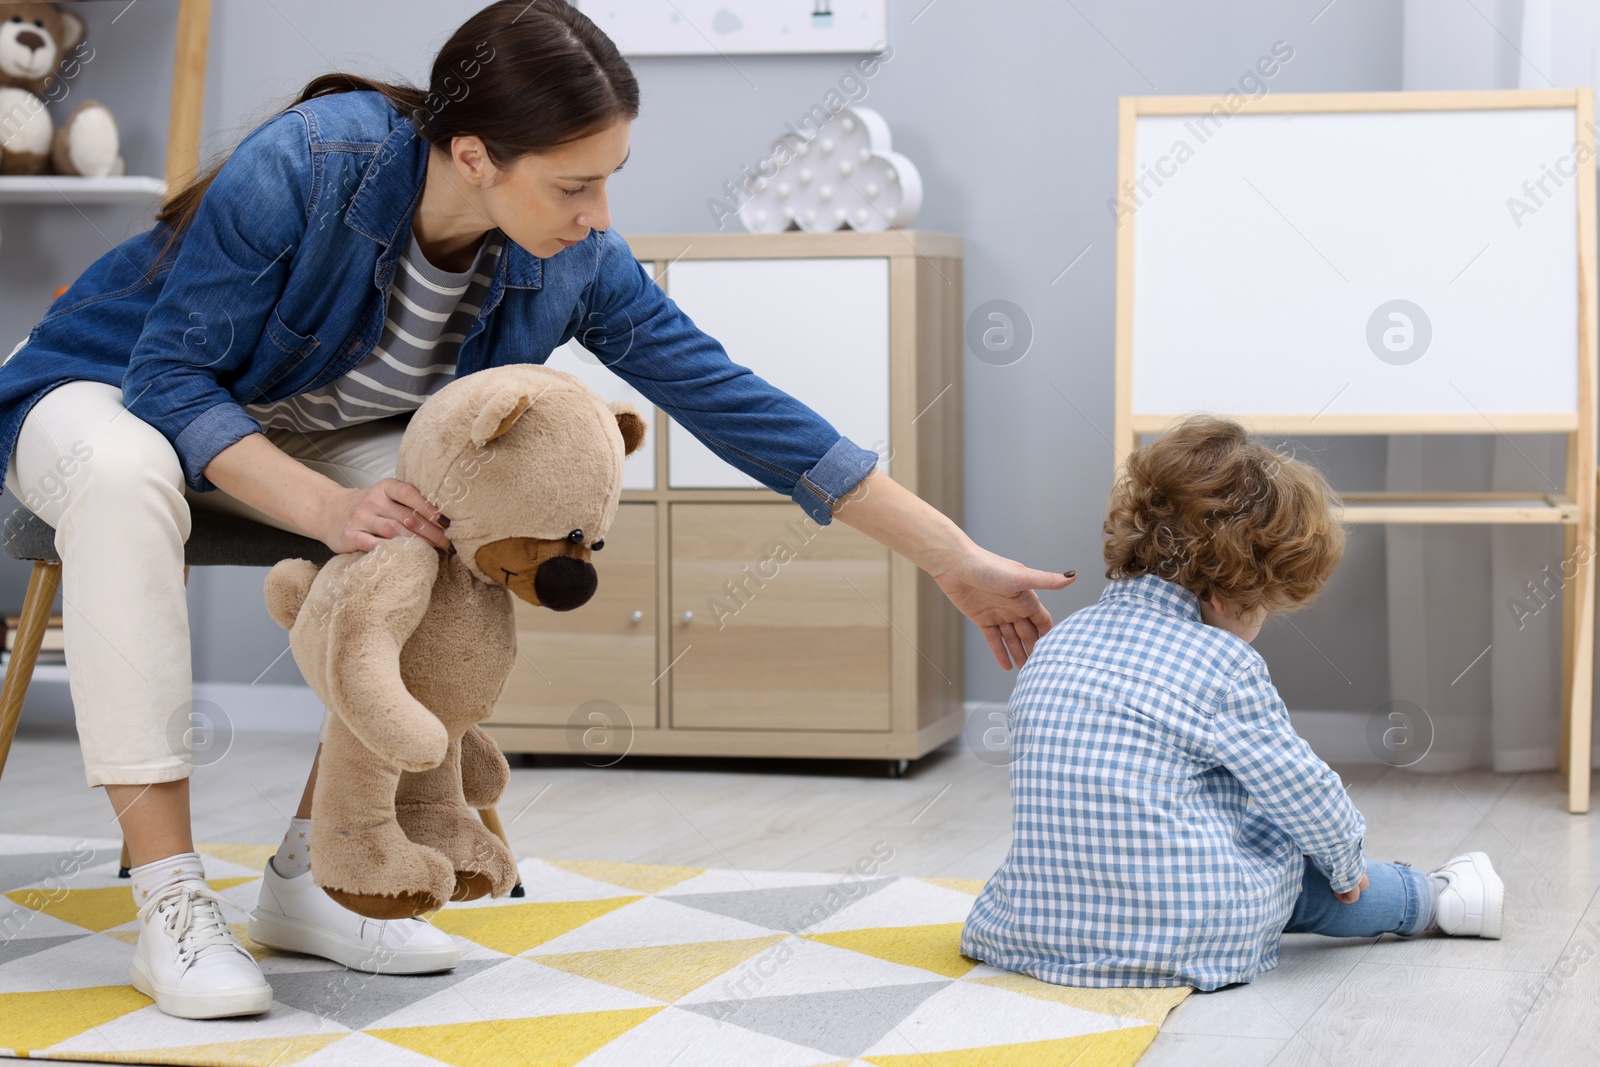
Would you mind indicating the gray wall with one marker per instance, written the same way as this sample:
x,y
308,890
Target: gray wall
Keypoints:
x,y
1009,111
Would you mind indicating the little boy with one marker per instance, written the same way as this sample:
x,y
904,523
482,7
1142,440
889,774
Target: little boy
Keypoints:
x,y
1169,825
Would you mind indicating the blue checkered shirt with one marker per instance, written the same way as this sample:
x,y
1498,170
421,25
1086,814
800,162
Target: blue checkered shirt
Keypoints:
x,y
1161,802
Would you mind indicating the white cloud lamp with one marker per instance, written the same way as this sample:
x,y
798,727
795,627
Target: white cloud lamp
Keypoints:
x,y
845,174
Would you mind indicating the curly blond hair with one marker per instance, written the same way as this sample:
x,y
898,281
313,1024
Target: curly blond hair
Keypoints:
x,y
1217,513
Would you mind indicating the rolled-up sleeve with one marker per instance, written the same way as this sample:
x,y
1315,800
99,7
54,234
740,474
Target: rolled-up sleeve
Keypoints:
x,y
220,297
1294,789
641,334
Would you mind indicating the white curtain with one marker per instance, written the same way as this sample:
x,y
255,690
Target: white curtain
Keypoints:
x,y
1488,674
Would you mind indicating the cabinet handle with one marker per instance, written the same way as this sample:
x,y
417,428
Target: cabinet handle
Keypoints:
x,y
637,616
688,616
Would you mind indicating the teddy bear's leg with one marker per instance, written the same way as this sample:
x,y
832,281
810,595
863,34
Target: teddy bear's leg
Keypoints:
x,y
26,130
363,858
88,143
433,811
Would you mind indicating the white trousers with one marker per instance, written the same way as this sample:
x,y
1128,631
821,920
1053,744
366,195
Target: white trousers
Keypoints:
x,y
113,488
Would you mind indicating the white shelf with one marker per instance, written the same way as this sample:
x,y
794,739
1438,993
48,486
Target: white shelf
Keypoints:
x,y
61,189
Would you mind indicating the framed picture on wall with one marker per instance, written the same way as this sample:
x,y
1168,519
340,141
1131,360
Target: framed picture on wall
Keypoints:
x,y
735,27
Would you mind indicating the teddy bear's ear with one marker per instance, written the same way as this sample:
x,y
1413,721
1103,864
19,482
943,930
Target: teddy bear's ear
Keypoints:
x,y
72,33
631,423
498,415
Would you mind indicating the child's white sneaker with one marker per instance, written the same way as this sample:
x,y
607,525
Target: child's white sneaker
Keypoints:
x,y
188,961
1469,899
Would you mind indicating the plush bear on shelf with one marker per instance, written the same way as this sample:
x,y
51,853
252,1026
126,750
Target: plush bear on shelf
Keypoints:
x,y
410,646
42,50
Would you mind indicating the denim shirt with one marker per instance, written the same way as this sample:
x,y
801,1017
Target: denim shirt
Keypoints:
x,y
278,287
1162,804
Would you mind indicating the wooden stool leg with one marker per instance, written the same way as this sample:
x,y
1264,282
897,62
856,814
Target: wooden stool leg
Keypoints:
x,y
491,819
42,586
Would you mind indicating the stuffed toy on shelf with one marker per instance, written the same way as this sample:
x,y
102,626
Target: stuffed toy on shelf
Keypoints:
x,y
409,646
42,50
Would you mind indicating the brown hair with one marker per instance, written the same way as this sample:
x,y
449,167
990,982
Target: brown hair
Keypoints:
x,y
1217,513
523,77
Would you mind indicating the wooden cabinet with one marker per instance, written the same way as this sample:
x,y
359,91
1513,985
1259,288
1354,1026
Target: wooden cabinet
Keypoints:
x,y
777,623
816,328
727,622
605,650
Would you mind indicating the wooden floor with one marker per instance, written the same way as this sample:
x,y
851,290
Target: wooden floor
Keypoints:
x,y
1531,998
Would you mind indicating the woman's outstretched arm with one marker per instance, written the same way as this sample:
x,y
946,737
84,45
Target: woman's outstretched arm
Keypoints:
x,y
996,593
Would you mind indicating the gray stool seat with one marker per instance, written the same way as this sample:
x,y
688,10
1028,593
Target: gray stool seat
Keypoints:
x,y
215,540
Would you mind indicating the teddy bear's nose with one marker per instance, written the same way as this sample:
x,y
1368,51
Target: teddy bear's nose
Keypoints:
x,y
563,583
29,39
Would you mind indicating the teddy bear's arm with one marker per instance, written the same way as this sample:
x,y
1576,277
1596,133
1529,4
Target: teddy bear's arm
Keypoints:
x,y
484,771
381,601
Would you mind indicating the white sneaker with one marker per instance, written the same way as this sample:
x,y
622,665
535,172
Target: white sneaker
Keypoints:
x,y
188,961
1469,898
294,914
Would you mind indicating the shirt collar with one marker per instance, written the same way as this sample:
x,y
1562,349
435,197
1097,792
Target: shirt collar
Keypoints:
x,y
387,198
1169,597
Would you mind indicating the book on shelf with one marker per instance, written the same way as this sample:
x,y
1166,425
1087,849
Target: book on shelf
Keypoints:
x,y
52,648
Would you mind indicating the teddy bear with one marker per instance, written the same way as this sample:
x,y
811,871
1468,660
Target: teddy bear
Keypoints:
x,y
409,646
40,53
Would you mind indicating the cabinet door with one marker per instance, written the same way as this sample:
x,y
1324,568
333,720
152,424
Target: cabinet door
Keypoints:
x,y
639,469
777,624
816,328
605,650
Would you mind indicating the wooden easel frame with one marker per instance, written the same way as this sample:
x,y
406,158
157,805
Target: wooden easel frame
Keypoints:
x,y
1574,510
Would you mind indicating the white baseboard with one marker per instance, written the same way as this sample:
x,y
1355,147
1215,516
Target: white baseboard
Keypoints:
x,y
264,709
1340,737
249,709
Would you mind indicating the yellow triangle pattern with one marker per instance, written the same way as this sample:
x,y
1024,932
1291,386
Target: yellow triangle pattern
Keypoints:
x,y
970,886
35,1021
515,928
1114,1048
92,909
253,856
220,884
640,877
1151,1005
95,909
252,1052
935,948
661,972
542,1041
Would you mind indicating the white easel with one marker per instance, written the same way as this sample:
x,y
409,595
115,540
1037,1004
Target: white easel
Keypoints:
x,y
1294,260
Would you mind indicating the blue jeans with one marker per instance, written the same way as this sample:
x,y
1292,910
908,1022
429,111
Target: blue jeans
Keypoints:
x,y
1399,901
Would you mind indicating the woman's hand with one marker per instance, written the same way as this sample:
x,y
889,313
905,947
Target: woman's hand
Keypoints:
x,y
998,594
994,592
261,474
355,520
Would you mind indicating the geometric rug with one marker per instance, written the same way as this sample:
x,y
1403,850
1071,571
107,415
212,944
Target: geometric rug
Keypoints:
x,y
601,964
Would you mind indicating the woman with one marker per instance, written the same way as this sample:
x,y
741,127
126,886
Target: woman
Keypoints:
x,y
258,351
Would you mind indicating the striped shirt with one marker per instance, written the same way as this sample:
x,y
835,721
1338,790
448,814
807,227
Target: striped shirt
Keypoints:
x,y
1161,804
428,314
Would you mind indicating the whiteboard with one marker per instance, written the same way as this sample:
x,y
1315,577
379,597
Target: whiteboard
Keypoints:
x,y
1272,256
